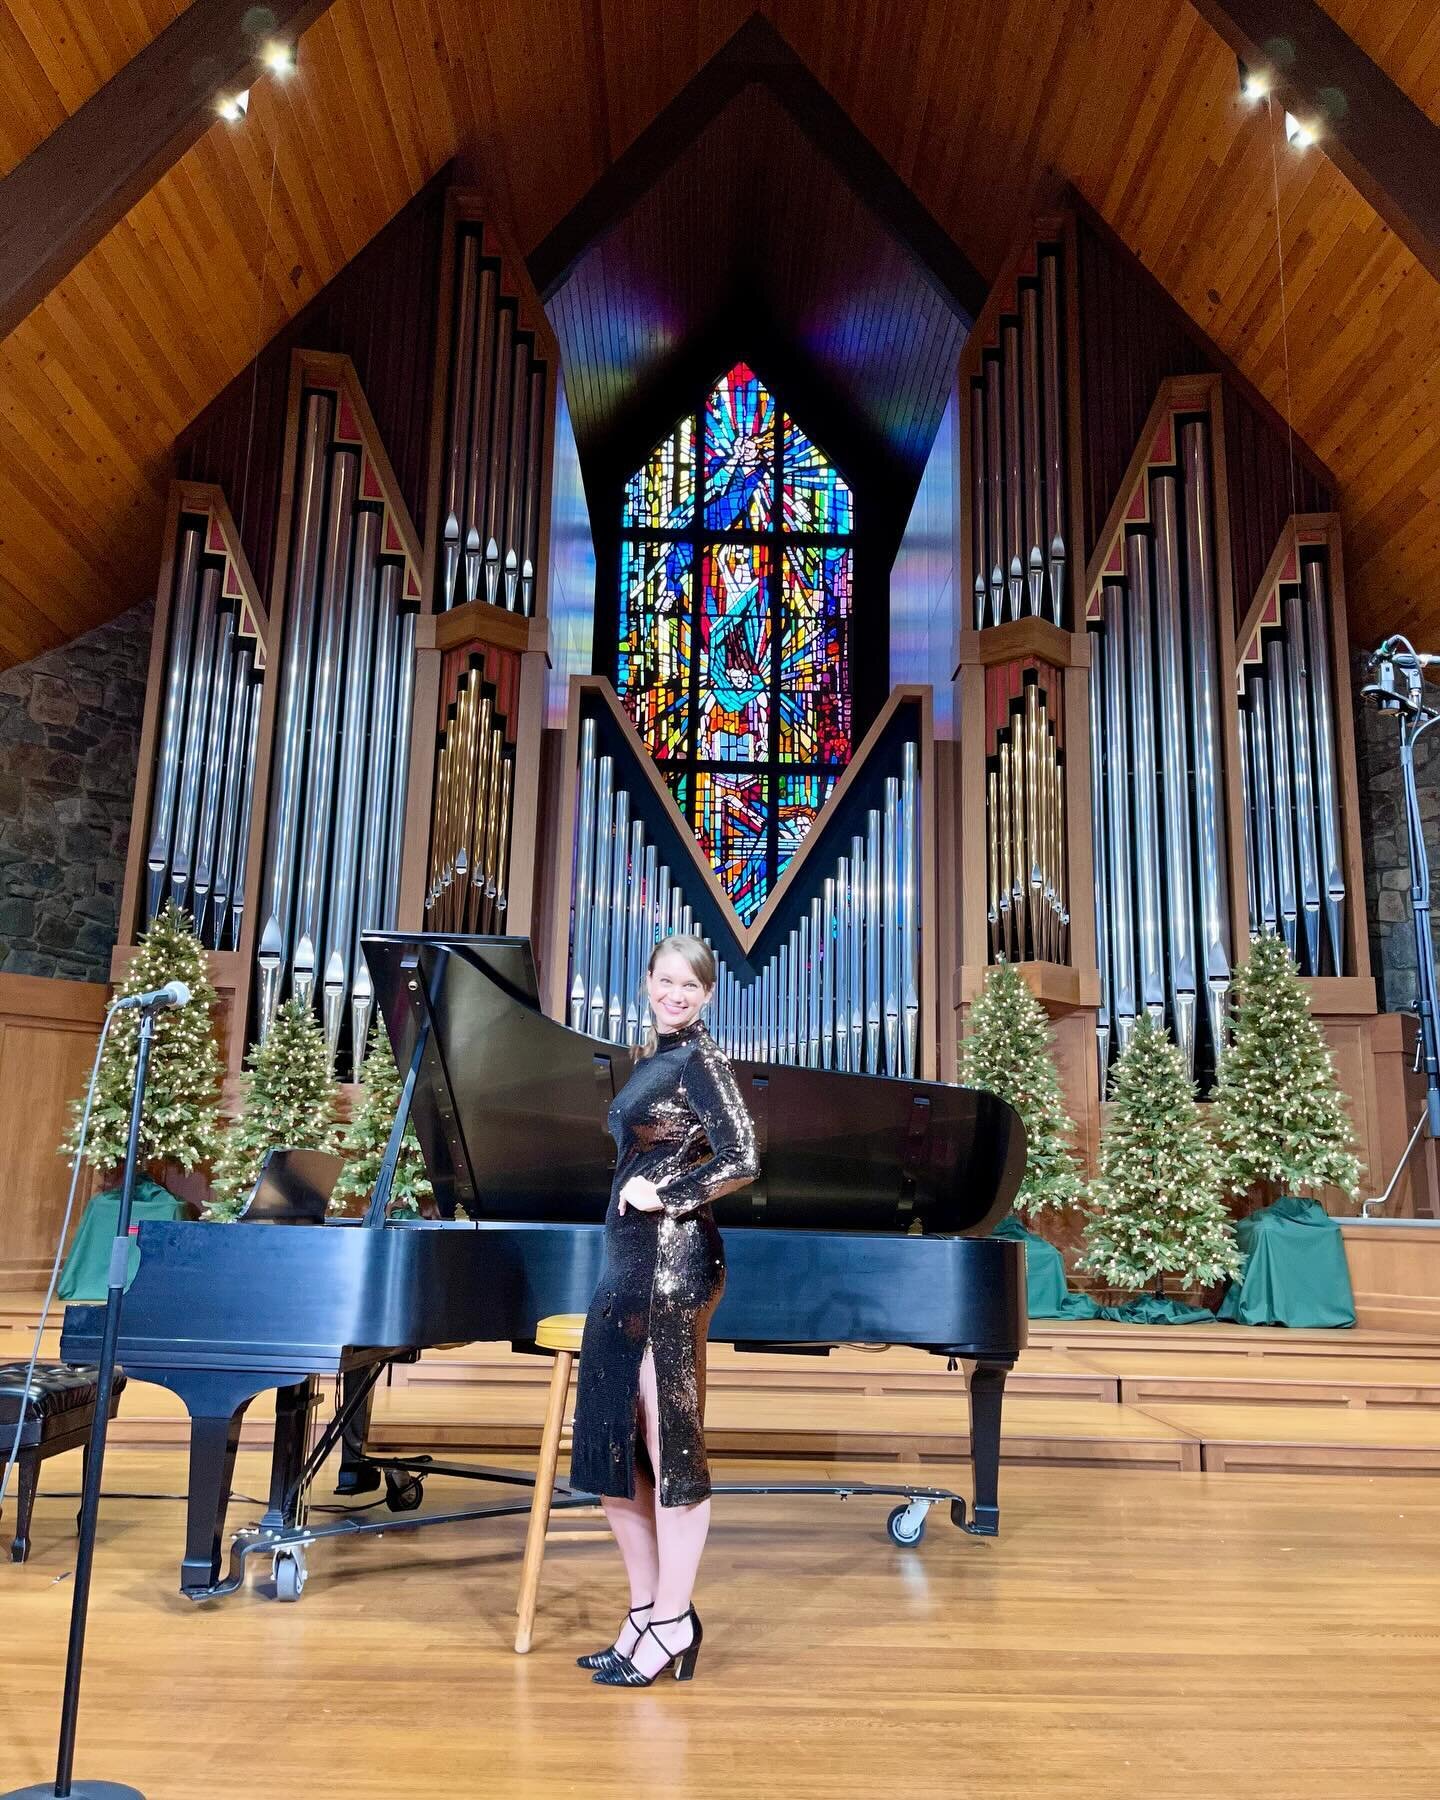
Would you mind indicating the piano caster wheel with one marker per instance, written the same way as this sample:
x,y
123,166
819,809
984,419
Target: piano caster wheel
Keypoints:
x,y
404,1496
906,1525
290,1574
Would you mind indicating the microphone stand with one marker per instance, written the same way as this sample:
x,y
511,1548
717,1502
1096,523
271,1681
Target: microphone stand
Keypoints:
x,y
1400,688
65,1788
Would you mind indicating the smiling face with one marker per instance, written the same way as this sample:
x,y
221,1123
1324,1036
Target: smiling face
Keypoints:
x,y
676,992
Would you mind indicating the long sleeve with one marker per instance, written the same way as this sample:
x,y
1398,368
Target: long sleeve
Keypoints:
x,y
708,1084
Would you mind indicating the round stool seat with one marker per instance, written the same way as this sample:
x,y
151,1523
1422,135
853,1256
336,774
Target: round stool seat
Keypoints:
x,y
561,1331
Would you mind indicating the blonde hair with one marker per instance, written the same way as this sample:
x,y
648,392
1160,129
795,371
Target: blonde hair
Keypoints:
x,y
701,959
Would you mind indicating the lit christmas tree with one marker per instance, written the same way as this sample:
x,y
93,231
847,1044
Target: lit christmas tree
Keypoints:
x,y
180,1122
1280,1118
363,1145
1155,1207
1007,1052
291,1105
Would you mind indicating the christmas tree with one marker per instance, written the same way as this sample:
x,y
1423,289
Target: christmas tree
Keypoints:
x,y
1008,1053
363,1145
1155,1207
291,1105
180,1122
1281,1120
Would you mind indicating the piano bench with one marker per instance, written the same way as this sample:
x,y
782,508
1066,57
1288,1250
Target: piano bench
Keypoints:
x,y
58,1413
561,1332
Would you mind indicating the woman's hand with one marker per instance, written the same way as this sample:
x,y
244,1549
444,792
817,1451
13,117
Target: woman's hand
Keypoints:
x,y
640,1194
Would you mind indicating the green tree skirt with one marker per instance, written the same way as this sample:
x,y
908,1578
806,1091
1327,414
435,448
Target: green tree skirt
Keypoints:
x,y
1048,1295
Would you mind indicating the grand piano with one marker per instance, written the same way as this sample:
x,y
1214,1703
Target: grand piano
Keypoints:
x,y
867,1225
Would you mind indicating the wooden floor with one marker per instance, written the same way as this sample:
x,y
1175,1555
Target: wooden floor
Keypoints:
x,y
1208,1638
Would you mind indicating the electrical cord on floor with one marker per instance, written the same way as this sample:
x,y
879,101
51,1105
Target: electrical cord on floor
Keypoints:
x,y
101,1400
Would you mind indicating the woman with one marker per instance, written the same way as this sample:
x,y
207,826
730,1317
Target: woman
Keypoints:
x,y
683,1138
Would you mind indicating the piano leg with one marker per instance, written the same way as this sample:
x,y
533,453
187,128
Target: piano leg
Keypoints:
x,y
987,1392
357,1474
293,1407
214,1438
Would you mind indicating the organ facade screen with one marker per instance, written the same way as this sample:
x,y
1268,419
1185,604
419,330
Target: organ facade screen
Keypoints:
x,y
736,574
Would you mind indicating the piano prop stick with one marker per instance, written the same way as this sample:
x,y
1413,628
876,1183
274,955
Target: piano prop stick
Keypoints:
x,y
868,1224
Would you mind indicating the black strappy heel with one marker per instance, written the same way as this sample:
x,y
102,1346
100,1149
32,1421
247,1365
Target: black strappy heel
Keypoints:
x,y
622,1672
602,1659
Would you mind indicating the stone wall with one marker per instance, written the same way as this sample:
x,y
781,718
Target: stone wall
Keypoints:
x,y
69,742
1387,862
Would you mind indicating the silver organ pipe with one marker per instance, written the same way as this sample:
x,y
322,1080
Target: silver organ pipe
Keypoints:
x,y
1211,835
1121,881
177,682
979,499
1308,857
910,824
1034,488
239,781
196,732
1142,778
580,888
598,959
1054,444
1100,679
294,702
1282,792
1258,733
217,741
244,812
1247,814
1014,524
1327,787
1179,859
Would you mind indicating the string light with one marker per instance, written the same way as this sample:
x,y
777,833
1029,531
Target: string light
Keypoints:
x,y
1254,83
1296,134
279,59
233,107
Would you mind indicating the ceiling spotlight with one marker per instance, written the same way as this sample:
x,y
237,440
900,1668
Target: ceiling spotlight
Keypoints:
x,y
279,59
1301,136
1254,83
233,107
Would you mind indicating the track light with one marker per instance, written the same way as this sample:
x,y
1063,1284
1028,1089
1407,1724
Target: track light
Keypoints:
x,y
279,59
233,107
1301,136
1254,83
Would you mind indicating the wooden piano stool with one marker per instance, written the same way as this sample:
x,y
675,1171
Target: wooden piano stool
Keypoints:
x,y
561,1332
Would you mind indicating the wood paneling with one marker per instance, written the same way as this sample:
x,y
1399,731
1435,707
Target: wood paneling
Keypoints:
x,y
976,109
1395,1273
47,1044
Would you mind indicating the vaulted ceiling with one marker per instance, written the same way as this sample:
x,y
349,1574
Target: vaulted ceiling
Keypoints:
x,y
979,109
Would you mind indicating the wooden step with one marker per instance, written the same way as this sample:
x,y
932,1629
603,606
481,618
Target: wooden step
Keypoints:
x,y
1331,1440
1144,1377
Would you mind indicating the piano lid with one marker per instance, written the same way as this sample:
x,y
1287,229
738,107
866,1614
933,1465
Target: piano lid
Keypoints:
x,y
510,1106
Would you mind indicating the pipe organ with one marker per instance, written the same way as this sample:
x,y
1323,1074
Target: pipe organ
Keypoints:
x,y
466,889
494,443
1027,907
1158,813
340,759
827,976
1289,765
1017,453
198,841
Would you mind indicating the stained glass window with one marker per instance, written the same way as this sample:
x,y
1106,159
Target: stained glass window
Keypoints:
x,y
734,646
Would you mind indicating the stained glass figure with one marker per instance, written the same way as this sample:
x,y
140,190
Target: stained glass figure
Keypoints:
x,y
817,496
735,672
739,453
734,643
652,674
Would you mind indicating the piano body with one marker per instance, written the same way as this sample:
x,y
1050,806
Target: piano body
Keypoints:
x,y
865,1226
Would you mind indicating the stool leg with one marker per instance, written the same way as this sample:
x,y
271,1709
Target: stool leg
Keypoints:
x,y
27,1480
540,1505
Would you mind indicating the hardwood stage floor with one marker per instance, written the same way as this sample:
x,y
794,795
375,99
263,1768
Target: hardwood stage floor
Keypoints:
x,y
1131,1635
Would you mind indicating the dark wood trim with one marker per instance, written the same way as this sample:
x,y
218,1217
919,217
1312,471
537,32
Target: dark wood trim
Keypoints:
x,y
82,180
1377,137
758,53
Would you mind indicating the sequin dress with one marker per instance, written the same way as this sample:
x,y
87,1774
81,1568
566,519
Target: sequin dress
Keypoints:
x,y
680,1122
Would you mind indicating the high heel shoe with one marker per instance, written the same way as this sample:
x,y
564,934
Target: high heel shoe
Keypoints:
x,y
602,1659
623,1672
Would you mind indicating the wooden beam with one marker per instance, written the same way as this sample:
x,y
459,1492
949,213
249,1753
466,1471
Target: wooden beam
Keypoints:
x,y
82,180
1375,135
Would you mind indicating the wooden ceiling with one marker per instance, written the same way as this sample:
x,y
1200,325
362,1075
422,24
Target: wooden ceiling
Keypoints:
x,y
979,109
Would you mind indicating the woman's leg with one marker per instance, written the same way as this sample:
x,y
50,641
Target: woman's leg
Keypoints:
x,y
633,1523
680,1533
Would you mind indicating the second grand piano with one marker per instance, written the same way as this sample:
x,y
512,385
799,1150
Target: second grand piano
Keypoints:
x,y
866,1226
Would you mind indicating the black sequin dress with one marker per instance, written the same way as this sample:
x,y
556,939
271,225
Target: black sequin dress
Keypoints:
x,y
680,1122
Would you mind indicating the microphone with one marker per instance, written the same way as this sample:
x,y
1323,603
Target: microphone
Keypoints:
x,y
174,993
